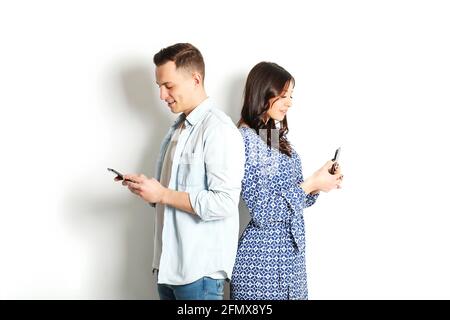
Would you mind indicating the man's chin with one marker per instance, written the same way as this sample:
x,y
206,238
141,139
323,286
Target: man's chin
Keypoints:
x,y
173,108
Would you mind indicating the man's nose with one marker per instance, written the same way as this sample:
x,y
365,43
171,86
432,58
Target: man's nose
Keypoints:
x,y
163,93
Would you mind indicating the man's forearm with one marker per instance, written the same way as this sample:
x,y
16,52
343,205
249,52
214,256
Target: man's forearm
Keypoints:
x,y
177,199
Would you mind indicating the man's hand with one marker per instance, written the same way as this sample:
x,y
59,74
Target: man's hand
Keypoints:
x,y
149,190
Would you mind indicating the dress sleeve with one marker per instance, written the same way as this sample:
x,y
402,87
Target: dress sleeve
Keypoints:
x,y
310,198
297,198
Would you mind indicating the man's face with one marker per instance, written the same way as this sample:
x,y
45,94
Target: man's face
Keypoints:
x,y
176,87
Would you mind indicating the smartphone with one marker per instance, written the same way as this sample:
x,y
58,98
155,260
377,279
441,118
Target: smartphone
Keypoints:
x,y
119,175
335,159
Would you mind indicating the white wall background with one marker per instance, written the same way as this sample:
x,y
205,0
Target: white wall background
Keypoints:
x,y
78,95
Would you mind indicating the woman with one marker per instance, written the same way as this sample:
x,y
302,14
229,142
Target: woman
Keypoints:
x,y
270,262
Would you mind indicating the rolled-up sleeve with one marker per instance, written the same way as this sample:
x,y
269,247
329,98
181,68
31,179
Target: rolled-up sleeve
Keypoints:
x,y
224,165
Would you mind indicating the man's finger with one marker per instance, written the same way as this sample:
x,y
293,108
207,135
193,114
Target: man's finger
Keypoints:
x,y
133,178
134,185
136,191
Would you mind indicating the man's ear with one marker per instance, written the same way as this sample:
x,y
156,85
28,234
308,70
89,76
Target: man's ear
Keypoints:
x,y
197,78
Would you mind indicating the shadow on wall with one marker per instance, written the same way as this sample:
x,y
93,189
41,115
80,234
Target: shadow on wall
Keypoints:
x,y
118,232
138,281
234,96
117,235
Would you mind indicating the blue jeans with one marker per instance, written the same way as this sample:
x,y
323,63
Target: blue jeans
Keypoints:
x,y
203,289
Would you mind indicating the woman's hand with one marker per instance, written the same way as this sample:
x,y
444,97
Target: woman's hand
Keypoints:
x,y
323,180
339,175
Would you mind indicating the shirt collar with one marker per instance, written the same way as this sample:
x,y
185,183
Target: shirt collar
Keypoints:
x,y
197,114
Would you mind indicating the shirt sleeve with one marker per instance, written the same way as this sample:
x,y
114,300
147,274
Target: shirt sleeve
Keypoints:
x,y
224,166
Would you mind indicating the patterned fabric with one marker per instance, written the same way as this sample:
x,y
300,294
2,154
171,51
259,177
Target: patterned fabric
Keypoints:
x,y
270,262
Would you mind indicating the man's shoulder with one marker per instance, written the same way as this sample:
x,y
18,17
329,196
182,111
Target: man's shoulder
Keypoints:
x,y
217,117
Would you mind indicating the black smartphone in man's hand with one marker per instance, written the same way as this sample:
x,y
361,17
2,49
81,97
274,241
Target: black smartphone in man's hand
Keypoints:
x,y
119,175
335,159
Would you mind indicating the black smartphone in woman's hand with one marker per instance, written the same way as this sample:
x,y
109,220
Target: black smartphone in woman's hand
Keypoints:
x,y
335,159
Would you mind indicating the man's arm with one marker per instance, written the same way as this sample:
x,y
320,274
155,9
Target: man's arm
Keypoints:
x,y
177,199
152,191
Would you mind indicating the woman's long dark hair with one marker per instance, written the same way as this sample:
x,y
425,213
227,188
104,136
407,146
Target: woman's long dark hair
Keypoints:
x,y
265,81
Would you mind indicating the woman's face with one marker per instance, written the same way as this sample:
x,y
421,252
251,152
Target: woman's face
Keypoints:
x,y
280,105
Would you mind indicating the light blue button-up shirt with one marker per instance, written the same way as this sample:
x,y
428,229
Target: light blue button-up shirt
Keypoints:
x,y
208,163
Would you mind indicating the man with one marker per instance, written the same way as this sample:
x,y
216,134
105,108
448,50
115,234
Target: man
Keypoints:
x,y
197,185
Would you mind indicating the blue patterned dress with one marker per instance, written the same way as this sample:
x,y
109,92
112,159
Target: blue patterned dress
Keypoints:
x,y
270,262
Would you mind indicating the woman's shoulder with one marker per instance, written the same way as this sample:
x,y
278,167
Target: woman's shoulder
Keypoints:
x,y
248,134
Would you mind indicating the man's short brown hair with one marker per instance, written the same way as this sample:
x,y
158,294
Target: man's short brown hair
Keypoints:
x,y
185,56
